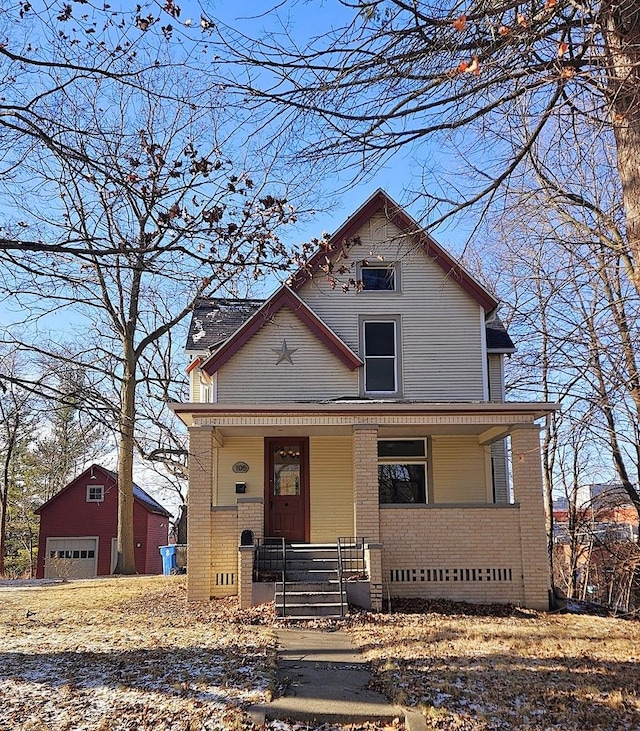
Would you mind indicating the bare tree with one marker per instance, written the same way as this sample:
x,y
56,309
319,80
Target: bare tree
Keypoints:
x,y
147,217
16,430
482,79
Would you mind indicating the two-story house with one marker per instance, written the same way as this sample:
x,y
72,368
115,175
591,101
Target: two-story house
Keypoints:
x,y
376,413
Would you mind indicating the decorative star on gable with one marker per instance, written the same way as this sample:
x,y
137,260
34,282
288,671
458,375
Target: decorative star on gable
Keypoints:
x,y
284,353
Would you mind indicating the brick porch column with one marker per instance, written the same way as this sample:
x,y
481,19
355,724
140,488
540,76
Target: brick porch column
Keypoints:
x,y
366,513
245,579
373,563
202,463
527,488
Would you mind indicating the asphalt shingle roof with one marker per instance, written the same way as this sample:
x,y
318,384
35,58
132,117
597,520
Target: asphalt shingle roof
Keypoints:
x,y
497,336
214,320
142,496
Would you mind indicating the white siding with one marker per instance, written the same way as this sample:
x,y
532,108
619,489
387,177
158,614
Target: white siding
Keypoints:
x,y
331,468
459,469
252,376
496,377
194,385
442,336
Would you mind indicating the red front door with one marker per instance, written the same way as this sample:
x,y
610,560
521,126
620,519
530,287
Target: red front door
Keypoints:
x,y
287,488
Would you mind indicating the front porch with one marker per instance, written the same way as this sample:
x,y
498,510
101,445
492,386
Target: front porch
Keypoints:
x,y
459,543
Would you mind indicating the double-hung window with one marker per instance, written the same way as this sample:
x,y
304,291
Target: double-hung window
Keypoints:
x,y
207,388
402,471
381,357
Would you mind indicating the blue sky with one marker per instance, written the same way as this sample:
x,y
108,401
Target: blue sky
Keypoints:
x,y
400,176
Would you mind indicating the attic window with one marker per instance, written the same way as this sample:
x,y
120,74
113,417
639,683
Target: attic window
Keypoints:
x,y
379,277
95,493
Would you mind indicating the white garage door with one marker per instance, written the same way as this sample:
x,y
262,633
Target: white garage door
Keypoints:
x,y
71,558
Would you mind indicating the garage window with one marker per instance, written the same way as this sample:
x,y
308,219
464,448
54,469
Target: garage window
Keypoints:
x,y
95,493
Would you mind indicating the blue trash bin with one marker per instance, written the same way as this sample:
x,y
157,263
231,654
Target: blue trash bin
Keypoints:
x,y
169,560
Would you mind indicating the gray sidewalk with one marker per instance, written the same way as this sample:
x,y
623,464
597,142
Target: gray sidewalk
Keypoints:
x,y
324,679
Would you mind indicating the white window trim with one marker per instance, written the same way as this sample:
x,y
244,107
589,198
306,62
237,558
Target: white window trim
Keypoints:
x,y
93,499
395,319
208,387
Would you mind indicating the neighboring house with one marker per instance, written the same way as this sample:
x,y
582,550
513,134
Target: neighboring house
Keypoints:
x,y
377,413
604,513
78,528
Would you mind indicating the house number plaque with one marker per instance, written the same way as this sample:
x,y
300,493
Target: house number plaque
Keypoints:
x,y
240,467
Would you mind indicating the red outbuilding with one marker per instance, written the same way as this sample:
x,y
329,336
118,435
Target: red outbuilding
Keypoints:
x,y
78,528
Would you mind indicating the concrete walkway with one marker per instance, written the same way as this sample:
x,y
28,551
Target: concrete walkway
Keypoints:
x,y
324,679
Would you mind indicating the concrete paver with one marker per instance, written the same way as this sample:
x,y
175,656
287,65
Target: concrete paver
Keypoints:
x,y
325,678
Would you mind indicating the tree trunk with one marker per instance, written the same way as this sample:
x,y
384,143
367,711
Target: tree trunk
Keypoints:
x,y
125,541
4,498
622,44
3,525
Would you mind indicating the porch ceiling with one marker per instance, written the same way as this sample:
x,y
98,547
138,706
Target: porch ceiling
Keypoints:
x,y
489,421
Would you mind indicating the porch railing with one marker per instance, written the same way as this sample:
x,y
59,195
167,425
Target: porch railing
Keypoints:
x,y
270,564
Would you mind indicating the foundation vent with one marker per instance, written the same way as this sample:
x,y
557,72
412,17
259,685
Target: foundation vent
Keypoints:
x,y
225,579
453,575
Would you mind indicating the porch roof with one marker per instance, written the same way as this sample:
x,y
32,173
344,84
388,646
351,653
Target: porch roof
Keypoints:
x,y
489,420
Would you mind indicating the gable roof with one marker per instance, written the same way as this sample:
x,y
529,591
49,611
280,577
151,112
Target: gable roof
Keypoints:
x,y
215,319
283,297
143,497
138,493
380,201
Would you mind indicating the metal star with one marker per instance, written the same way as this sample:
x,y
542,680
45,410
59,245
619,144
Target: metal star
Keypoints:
x,y
284,353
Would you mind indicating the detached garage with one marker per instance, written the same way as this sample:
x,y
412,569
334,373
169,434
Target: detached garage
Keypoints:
x,y
78,528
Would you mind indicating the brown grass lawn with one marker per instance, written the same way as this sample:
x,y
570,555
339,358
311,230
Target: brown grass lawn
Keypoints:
x,y
123,654
528,671
131,655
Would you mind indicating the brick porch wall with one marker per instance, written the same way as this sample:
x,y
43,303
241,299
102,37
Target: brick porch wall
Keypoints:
x,y
224,554
457,552
366,511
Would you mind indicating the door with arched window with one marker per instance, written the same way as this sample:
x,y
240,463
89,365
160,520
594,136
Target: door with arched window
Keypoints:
x,y
287,488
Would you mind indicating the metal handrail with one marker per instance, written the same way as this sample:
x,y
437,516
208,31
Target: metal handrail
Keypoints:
x,y
266,563
284,578
340,577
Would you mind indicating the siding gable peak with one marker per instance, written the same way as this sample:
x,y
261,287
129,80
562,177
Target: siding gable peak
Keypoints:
x,y
381,202
282,298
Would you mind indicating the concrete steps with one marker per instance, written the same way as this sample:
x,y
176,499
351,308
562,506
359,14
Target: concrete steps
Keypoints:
x,y
312,587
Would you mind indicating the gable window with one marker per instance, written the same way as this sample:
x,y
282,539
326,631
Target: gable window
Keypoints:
x,y
380,349
402,471
379,277
95,493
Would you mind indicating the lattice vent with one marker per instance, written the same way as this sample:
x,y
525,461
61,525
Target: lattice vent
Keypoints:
x,y
455,575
